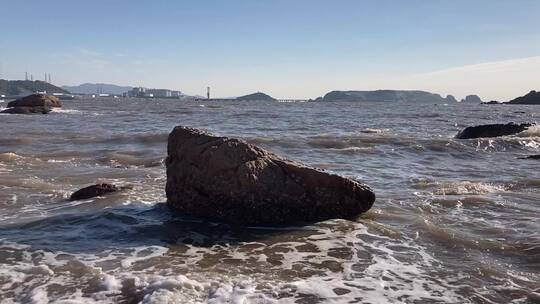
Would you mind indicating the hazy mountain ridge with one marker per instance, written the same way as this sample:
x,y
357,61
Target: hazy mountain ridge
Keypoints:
x,y
533,97
27,87
93,88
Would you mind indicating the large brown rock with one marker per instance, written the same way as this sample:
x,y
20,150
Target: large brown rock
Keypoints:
x,y
36,100
225,179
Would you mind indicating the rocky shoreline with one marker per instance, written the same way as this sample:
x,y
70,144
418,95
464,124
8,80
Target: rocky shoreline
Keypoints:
x,y
229,180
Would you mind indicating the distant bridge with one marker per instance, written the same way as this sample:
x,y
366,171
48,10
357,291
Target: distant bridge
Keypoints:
x,y
234,99
292,100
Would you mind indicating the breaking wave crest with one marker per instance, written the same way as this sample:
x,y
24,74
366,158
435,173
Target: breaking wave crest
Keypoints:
x,y
323,263
459,187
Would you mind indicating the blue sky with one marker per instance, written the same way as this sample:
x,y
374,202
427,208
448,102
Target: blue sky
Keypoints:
x,y
287,48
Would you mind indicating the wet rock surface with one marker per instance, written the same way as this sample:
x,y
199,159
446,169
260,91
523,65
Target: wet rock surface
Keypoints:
x,y
33,104
226,179
93,191
36,100
493,130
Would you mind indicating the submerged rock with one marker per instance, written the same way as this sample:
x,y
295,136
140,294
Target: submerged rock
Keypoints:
x,y
226,179
491,102
27,110
493,130
93,191
36,100
537,156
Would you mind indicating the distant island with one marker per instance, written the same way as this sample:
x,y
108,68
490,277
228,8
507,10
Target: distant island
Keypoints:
x,y
98,88
532,97
472,99
257,97
27,87
387,96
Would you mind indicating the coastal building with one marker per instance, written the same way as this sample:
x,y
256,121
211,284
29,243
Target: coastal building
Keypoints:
x,y
159,93
153,93
137,92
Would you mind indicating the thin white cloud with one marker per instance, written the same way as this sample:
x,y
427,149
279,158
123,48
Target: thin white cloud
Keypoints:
x,y
501,80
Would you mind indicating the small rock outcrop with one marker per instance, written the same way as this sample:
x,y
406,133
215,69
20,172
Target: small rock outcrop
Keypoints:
x,y
491,102
493,130
471,99
537,156
93,191
256,97
532,98
229,180
32,104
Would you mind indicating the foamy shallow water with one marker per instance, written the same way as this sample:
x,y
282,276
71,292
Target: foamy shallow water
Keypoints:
x,y
456,221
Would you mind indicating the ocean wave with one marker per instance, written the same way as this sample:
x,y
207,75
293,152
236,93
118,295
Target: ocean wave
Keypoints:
x,y
66,111
330,141
118,159
128,138
273,141
9,157
13,141
333,261
459,187
502,144
374,131
355,150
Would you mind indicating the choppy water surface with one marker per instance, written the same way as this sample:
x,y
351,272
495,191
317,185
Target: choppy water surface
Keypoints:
x,y
455,221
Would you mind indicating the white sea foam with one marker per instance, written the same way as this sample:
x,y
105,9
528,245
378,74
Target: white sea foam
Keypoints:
x,y
345,265
66,111
532,131
460,187
375,131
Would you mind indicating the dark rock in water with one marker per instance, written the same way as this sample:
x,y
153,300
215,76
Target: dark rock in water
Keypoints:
x,y
27,110
532,97
36,100
225,179
491,102
472,99
93,191
494,130
537,156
